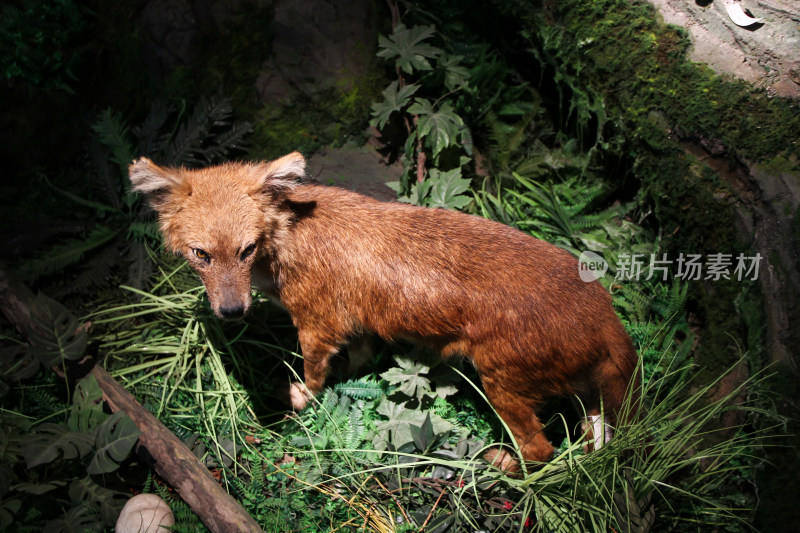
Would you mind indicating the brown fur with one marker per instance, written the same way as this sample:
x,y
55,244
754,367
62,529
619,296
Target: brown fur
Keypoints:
x,y
344,265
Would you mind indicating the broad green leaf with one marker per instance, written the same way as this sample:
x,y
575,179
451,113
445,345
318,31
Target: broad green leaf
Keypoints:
x,y
419,193
87,406
108,503
441,127
49,440
455,74
445,379
395,98
79,518
115,440
38,488
421,106
423,434
56,333
406,46
409,378
447,189
397,430
8,509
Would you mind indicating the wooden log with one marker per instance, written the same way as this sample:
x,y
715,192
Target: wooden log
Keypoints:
x,y
173,460
176,463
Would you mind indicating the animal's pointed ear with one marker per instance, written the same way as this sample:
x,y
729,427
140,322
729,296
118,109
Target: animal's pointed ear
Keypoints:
x,y
155,182
282,175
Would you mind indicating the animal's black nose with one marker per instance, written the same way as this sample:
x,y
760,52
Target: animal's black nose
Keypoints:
x,y
232,313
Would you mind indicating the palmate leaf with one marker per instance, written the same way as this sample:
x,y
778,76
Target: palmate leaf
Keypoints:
x,y
56,333
395,98
115,440
398,430
48,441
406,45
455,74
409,377
447,189
441,127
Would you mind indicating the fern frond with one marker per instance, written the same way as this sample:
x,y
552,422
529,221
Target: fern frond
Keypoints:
x,y
112,131
675,300
40,403
187,146
227,142
141,267
105,177
67,254
94,272
143,231
150,132
355,428
366,388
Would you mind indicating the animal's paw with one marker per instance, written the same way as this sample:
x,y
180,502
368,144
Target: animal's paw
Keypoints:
x,y
502,459
298,396
597,432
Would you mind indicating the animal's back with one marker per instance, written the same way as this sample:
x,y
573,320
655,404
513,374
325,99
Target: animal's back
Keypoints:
x,y
513,304
446,276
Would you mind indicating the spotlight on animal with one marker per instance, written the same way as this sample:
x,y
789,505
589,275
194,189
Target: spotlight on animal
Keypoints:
x,y
345,266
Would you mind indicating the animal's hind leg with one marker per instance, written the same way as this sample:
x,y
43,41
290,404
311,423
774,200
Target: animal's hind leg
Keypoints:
x,y
519,414
604,402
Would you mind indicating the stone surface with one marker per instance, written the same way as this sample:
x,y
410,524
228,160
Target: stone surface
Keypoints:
x,y
318,44
357,169
765,54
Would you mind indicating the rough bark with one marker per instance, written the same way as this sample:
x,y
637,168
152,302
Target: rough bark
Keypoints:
x,y
177,464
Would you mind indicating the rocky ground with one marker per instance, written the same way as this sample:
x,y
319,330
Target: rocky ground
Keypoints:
x,y
766,54
354,168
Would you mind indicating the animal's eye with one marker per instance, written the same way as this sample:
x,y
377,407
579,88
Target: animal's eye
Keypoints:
x,y
201,254
248,251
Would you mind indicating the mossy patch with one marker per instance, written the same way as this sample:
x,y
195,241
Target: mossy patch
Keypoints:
x,y
621,50
229,58
309,121
617,68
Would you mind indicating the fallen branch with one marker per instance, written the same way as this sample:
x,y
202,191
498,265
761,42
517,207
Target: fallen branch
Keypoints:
x,y
174,462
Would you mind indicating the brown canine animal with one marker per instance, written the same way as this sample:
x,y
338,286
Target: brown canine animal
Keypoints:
x,y
345,265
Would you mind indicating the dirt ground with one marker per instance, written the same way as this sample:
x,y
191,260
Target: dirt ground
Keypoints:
x,y
766,54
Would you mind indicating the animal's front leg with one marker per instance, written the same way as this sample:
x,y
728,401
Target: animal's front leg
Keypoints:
x,y
316,355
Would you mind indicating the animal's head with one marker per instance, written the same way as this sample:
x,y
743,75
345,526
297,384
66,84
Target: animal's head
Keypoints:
x,y
222,219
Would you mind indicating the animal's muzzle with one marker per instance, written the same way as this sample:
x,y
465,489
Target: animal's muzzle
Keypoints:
x,y
232,312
